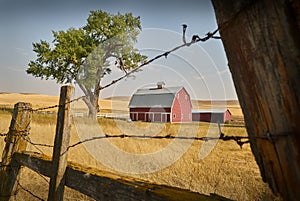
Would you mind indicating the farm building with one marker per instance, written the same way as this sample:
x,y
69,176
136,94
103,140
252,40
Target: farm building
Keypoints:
x,y
161,104
211,115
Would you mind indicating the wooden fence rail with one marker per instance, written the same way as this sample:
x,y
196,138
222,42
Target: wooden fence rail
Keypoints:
x,y
102,185
97,184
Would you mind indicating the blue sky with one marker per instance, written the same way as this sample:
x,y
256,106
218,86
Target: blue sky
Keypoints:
x,y
201,68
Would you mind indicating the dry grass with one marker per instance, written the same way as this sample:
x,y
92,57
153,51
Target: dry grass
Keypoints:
x,y
117,104
7,100
228,170
37,100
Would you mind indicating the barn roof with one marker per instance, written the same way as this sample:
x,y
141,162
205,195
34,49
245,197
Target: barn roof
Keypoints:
x,y
153,97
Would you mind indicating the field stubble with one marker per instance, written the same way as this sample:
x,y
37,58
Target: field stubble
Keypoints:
x,y
227,171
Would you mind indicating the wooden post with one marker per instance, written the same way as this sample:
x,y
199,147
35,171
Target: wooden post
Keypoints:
x,y
61,143
261,40
15,142
102,185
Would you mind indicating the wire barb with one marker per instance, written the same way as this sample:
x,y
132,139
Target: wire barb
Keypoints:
x,y
55,106
223,137
195,39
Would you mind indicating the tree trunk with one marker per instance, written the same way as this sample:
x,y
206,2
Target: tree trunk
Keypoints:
x,y
261,40
94,97
91,100
94,100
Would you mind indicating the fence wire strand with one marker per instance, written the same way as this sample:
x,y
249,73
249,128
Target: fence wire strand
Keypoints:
x,y
28,191
24,134
56,106
240,140
194,39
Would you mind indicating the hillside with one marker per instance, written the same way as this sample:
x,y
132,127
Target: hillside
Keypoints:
x,y
116,104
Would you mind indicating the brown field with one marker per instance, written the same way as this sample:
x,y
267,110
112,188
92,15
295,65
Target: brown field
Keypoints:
x,y
228,170
115,104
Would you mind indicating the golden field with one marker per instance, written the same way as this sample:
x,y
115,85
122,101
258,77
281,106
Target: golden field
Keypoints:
x,y
228,170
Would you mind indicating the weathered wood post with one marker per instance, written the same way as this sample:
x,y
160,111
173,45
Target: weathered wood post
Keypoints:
x,y
15,142
61,143
261,40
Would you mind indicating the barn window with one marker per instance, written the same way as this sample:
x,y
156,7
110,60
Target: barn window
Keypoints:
x,y
174,116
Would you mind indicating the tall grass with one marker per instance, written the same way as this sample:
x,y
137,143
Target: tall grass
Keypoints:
x,y
228,170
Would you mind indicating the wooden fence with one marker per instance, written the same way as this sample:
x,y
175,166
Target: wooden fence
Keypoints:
x,y
97,184
261,40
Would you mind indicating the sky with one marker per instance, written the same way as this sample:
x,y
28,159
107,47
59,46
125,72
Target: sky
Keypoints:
x,y
201,68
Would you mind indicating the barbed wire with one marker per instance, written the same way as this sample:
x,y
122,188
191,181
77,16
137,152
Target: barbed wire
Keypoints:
x,y
28,191
55,106
34,144
237,139
39,144
195,39
240,140
18,182
223,137
24,134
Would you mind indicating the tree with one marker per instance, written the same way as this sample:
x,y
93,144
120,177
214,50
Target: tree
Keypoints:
x,y
85,55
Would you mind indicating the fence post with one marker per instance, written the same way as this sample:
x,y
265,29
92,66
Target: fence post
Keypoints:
x,y
61,143
265,66
15,142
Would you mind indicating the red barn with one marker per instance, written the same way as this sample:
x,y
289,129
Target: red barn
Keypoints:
x,y
211,115
161,104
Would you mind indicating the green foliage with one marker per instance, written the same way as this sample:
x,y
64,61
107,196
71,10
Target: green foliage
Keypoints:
x,y
85,52
63,61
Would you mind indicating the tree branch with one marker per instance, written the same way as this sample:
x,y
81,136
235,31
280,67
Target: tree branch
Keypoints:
x,y
88,103
82,87
194,40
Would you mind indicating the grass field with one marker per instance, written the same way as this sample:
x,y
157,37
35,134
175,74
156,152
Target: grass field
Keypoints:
x,y
228,170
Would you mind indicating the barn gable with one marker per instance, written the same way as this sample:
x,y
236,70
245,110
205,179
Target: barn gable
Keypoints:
x,y
161,104
182,107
